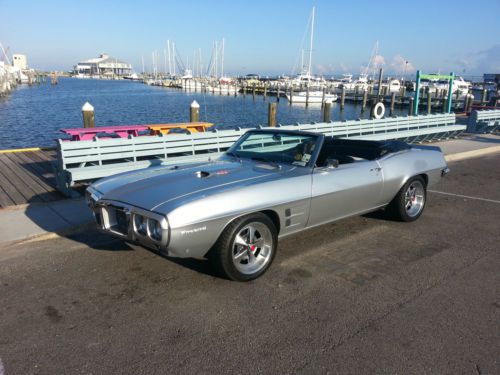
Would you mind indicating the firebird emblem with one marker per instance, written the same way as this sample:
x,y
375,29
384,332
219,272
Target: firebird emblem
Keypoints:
x,y
194,230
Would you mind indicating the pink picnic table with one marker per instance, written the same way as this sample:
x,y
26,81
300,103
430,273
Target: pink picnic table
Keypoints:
x,y
122,131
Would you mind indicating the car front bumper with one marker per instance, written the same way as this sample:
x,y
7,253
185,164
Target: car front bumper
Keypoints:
x,y
129,223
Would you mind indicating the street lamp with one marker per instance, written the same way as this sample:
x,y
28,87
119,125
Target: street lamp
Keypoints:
x,y
404,74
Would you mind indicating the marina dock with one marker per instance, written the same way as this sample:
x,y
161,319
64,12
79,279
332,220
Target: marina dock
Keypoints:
x,y
27,177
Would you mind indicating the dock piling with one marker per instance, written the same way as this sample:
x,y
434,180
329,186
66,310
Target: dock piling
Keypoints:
x,y
466,103
265,91
429,102
393,102
194,113
88,115
379,91
410,107
469,103
342,99
365,98
271,116
327,111
484,96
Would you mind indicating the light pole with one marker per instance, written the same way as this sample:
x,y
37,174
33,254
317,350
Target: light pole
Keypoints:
x,y
404,74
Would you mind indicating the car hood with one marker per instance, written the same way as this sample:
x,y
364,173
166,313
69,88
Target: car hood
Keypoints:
x,y
153,187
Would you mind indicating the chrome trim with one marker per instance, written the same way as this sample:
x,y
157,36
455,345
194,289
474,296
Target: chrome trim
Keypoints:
x,y
101,208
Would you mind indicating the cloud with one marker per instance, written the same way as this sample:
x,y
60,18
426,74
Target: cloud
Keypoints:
x,y
400,64
322,69
344,68
479,62
378,61
488,60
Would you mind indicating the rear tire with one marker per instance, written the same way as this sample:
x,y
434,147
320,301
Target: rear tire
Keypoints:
x,y
409,202
246,248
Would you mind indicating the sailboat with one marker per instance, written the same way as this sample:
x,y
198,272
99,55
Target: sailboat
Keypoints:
x,y
315,95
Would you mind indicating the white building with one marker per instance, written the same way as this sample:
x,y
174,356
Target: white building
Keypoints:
x,y
20,61
103,66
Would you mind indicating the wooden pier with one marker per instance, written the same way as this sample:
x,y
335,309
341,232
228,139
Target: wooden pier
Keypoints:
x,y
27,177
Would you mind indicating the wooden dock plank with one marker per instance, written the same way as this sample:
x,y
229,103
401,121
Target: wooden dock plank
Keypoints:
x,y
29,192
32,172
42,158
27,177
37,169
10,189
5,199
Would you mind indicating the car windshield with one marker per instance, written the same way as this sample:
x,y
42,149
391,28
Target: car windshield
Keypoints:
x,y
278,147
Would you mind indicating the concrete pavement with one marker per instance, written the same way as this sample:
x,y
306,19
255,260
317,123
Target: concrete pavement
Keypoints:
x,y
364,295
23,222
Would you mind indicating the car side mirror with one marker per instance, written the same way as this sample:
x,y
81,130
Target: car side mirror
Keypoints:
x,y
332,163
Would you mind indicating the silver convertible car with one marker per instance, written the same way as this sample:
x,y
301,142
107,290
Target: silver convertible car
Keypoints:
x,y
269,184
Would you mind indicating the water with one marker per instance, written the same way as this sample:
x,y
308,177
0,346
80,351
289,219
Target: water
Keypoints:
x,y
32,116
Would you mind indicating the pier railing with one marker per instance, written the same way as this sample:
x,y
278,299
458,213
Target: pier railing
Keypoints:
x,y
80,161
484,121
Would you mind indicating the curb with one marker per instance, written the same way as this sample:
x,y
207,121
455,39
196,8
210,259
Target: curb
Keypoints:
x,y
472,154
52,235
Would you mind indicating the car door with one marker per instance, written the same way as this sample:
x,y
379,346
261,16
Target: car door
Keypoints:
x,y
343,191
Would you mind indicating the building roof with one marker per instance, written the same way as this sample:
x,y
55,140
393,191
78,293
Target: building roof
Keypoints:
x,y
103,59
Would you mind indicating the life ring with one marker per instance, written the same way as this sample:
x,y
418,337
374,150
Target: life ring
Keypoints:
x,y
378,110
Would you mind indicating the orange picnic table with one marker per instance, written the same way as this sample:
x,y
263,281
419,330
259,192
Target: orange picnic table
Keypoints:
x,y
193,127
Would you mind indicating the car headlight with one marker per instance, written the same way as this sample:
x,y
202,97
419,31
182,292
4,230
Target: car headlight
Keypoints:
x,y
140,225
154,229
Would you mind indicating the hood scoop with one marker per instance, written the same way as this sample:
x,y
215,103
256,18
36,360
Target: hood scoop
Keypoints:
x,y
202,174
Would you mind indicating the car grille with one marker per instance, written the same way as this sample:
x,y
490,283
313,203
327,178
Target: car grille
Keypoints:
x,y
116,219
121,222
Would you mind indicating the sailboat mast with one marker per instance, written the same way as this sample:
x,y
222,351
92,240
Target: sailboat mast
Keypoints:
x,y
200,64
169,59
222,60
165,58
153,60
216,59
173,56
311,44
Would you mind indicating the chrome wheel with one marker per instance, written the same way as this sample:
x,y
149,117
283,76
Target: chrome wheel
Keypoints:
x,y
252,248
414,198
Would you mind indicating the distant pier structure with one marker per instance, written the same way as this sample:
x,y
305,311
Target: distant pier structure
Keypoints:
x,y
103,66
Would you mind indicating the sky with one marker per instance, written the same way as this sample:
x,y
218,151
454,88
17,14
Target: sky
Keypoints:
x,y
263,37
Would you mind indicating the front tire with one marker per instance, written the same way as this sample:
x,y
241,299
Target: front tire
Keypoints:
x,y
410,201
246,248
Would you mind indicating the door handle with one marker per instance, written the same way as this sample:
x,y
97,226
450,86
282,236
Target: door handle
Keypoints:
x,y
378,169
